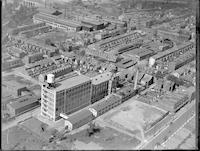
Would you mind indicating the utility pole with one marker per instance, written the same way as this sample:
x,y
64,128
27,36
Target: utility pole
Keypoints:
x,y
136,78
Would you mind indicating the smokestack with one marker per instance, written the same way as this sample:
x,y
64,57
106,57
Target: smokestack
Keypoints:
x,y
135,79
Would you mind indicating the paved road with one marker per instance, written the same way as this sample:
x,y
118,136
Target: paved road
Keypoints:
x,y
20,118
182,126
171,128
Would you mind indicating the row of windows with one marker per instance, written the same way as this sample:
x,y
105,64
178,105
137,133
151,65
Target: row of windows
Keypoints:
x,y
74,90
119,41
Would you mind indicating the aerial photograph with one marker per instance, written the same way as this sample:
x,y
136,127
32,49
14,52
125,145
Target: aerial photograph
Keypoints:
x,y
98,75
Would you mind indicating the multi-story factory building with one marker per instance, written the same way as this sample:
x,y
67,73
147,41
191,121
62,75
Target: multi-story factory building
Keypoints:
x,y
113,42
100,85
170,54
57,22
65,96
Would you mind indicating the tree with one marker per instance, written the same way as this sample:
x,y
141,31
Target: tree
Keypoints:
x,y
43,127
93,128
48,41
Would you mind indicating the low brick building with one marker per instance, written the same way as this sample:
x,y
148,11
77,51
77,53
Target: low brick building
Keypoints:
x,y
22,104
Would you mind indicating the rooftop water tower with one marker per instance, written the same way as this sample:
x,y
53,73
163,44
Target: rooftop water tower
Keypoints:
x,y
51,79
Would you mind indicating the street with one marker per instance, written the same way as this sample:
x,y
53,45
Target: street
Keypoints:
x,y
170,129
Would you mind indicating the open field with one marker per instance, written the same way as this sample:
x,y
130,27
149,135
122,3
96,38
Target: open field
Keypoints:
x,y
35,126
17,138
107,138
135,118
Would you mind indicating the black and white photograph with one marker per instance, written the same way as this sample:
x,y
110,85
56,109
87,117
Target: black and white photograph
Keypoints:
x,y
100,74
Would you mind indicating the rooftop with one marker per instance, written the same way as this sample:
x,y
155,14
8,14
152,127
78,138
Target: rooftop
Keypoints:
x,y
23,101
141,52
126,63
77,116
71,82
102,42
40,63
105,102
55,19
185,44
101,78
91,21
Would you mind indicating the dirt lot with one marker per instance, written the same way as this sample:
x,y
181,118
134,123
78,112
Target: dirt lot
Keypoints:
x,y
17,138
35,126
135,118
107,138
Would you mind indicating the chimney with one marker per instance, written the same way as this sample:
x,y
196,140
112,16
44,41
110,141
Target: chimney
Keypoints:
x,y
135,79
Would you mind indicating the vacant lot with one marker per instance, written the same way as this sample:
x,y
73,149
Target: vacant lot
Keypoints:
x,y
135,118
17,138
107,139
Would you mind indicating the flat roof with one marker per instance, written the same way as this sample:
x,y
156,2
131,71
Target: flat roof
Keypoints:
x,y
52,18
115,38
166,52
23,101
92,21
39,63
92,74
126,63
146,78
71,82
86,25
105,102
101,78
139,52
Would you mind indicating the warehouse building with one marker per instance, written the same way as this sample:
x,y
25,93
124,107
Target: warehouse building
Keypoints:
x,y
16,52
173,35
126,63
96,25
147,80
12,63
106,104
23,104
32,58
66,95
57,22
27,27
139,54
78,119
170,54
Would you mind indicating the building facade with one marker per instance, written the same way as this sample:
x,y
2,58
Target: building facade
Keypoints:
x,y
68,96
100,85
57,22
